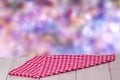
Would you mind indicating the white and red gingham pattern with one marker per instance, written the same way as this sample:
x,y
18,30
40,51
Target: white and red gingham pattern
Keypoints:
x,y
42,66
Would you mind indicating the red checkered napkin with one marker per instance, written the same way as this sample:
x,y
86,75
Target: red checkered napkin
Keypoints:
x,y
41,66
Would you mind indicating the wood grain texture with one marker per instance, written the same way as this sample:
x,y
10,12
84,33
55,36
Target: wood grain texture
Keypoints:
x,y
16,63
115,68
63,76
100,72
108,71
4,67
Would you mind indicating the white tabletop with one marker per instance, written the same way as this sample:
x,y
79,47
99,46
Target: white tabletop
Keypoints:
x,y
108,71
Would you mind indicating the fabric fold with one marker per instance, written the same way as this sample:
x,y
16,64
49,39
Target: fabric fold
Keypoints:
x,y
42,66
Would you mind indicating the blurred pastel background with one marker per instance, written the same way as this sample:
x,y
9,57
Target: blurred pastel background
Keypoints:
x,y
36,27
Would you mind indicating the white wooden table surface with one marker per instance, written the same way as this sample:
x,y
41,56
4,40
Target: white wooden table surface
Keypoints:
x,y
108,71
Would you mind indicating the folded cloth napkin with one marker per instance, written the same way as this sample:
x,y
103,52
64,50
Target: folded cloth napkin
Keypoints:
x,y
41,66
